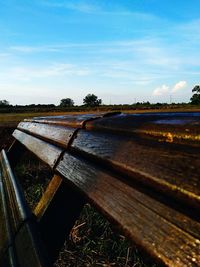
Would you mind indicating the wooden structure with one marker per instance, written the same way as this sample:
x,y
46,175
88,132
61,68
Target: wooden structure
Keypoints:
x,y
141,171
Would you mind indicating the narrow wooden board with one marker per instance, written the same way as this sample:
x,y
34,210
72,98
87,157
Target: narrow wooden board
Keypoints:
x,y
43,150
166,167
58,135
135,212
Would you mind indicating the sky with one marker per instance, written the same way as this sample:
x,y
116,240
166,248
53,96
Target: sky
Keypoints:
x,y
123,51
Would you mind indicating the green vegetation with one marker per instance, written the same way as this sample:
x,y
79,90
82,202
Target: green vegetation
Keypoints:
x,y
195,99
66,102
92,100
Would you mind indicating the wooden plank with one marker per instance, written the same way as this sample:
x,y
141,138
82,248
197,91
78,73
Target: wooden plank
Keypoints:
x,y
171,169
43,150
18,210
135,212
58,135
57,211
167,127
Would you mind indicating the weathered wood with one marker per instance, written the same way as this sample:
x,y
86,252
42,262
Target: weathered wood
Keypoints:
x,y
57,212
165,167
136,213
43,150
55,134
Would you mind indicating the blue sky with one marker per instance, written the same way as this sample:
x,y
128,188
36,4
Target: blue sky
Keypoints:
x,y
121,50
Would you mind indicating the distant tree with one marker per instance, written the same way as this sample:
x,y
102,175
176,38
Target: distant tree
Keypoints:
x,y
195,99
92,100
66,102
4,103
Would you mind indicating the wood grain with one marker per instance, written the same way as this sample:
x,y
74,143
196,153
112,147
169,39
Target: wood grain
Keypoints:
x,y
135,213
43,150
166,167
55,134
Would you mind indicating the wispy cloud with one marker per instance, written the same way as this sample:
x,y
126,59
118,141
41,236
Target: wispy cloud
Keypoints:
x,y
165,89
178,86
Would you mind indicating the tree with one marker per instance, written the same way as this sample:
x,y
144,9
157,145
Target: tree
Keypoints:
x,y
66,102
4,103
195,99
92,100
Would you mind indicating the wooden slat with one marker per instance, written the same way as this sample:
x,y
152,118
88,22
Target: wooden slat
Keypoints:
x,y
140,216
168,168
54,134
43,150
167,127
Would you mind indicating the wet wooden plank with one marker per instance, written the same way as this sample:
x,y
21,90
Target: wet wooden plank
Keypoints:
x,y
54,134
171,169
140,216
43,150
165,127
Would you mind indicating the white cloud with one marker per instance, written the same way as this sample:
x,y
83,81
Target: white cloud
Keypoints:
x,y
161,90
178,86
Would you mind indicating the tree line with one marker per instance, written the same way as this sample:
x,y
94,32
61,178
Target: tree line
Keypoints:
x,y
92,101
